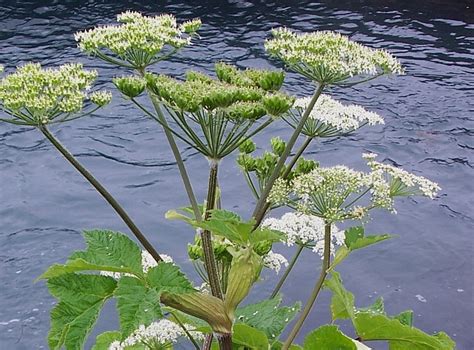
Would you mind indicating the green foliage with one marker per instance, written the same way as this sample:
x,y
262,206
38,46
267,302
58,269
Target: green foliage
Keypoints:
x,y
328,338
268,316
373,324
355,239
249,337
167,277
81,298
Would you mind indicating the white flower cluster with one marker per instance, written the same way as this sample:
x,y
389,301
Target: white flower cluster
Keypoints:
x,y
402,182
304,229
335,115
138,39
35,95
148,262
274,261
336,193
163,332
329,57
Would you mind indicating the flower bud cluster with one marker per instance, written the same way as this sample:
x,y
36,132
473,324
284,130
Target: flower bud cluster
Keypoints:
x,y
138,40
237,100
329,57
36,95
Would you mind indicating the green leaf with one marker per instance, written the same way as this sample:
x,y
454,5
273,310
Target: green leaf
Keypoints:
x,y
355,239
342,302
278,345
103,341
81,298
267,316
265,234
400,336
249,337
137,304
372,324
78,265
111,249
168,277
328,338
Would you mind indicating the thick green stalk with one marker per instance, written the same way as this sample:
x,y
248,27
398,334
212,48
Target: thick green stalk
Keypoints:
x,y
209,258
287,271
297,156
317,288
101,189
260,208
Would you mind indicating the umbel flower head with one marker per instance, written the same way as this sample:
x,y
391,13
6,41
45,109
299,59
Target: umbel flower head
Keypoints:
x,y
329,57
330,118
34,96
216,115
138,41
340,193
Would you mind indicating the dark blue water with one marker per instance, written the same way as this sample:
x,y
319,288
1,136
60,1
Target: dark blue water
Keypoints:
x,y
429,114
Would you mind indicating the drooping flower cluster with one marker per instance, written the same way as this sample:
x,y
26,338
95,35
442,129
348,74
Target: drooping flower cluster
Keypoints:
x,y
139,40
330,118
274,261
156,335
148,262
340,193
329,57
306,230
33,95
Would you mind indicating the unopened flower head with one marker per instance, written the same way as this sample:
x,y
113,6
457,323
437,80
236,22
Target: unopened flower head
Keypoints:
x,y
307,230
101,98
160,333
138,40
329,57
330,118
274,261
34,95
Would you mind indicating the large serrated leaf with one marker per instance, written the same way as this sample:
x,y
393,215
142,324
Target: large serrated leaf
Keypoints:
x,y
342,302
81,298
168,277
137,304
328,338
112,249
267,316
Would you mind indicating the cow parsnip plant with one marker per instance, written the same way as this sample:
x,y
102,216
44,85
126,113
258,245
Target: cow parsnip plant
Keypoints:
x,y
158,306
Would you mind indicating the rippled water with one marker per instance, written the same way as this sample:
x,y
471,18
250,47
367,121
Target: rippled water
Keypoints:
x,y
429,129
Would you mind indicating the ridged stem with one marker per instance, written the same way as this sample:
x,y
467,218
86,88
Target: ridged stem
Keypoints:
x,y
102,190
317,288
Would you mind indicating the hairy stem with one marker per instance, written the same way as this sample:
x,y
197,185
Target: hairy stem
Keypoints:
x,y
209,258
101,189
261,208
287,271
317,288
225,341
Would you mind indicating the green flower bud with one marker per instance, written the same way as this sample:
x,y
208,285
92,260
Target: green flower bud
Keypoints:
x,y
247,146
278,145
130,86
277,104
249,94
262,247
246,162
218,98
191,27
193,75
245,110
304,166
229,74
101,98
195,252
266,79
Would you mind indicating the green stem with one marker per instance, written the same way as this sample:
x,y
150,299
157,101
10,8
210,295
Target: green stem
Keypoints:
x,y
287,271
317,288
185,330
297,156
261,207
209,258
177,156
101,189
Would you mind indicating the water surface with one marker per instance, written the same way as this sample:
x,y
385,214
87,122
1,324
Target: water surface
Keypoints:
x,y
429,128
